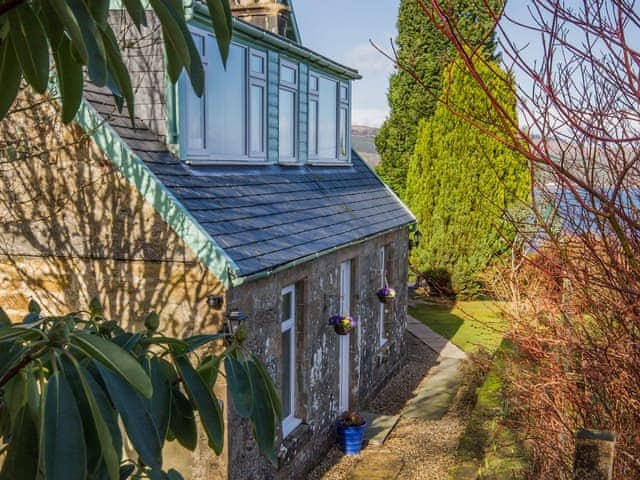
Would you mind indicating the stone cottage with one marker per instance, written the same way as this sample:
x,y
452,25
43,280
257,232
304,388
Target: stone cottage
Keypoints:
x,y
248,199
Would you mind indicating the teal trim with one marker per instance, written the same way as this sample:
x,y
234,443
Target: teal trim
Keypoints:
x,y
273,83
303,113
152,189
198,13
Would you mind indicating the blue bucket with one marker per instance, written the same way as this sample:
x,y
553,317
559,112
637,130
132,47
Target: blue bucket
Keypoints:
x,y
350,438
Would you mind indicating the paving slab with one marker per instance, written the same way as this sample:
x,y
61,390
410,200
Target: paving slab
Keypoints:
x,y
436,342
435,394
378,427
377,465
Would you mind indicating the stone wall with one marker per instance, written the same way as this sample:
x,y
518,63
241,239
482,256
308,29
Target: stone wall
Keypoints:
x,y
317,284
71,228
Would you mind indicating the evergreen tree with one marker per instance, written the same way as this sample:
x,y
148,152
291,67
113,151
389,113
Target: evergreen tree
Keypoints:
x,y
461,181
424,50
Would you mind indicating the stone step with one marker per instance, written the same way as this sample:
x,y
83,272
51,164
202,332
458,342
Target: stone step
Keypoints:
x,y
378,427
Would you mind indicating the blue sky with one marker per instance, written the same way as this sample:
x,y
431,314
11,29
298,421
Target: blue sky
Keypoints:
x,y
342,30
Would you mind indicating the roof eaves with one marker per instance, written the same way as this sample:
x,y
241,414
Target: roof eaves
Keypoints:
x,y
153,190
200,11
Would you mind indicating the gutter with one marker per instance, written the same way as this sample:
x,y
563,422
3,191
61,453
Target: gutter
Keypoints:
x,y
238,281
199,11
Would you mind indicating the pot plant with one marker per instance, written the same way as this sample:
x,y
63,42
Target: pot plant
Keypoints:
x,y
342,324
386,294
350,428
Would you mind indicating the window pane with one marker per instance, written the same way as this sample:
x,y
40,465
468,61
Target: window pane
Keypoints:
x,y
257,64
313,128
343,133
313,83
227,106
287,74
343,93
327,121
256,128
287,124
286,307
198,40
286,373
194,119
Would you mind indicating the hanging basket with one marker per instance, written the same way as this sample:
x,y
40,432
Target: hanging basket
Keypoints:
x,y
342,324
386,294
343,329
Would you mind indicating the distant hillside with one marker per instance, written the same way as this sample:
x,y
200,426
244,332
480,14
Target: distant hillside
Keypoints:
x,y
362,141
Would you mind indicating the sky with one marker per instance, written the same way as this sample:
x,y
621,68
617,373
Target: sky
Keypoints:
x,y
342,30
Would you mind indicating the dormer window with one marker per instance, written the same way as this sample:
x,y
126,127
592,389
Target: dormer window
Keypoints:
x,y
329,120
228,123
288,112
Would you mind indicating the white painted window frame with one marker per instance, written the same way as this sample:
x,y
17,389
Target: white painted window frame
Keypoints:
x,y
207,156
292,88
341,104
291,421
381,312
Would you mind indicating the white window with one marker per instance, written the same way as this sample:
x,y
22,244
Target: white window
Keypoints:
x,y
287,111
381,312
228,123
329,120
288,360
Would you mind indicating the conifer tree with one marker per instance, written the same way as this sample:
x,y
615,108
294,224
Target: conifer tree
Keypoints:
x,y
461,181
424,51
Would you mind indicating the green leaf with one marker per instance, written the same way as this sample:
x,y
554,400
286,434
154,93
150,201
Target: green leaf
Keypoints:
x,y
68,19
209,368
220,14
126,471
204,401
274,396
15,332
30,45
5,321
183,422
170,19
65,456
136,12
95,307
21,460
262,417
94,425
117,69
97,57
137,420
100,11
174,475
239,384
70,80
194,67
159,405
34,307
197,341
15,394
10,354
115,358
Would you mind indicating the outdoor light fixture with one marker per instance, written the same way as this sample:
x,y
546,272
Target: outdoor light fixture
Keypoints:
x,y
215,301
415,240
234,319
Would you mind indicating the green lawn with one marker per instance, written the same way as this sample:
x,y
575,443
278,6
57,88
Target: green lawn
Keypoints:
x,y
487,450
468,324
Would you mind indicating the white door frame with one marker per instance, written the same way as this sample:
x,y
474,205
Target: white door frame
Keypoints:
x,y
344,350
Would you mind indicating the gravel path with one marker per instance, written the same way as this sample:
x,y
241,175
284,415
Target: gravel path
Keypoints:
x,y
426,447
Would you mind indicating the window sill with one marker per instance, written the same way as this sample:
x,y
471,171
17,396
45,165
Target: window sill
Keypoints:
x,y
330,163
289,424
213,162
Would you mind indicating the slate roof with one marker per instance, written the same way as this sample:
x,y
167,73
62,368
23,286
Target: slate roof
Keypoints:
x,y
267,216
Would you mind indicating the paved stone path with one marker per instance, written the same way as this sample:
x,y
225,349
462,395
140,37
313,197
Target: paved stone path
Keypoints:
x,y
432,400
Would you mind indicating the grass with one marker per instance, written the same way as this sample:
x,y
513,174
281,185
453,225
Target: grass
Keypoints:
x,y
470,325
488,449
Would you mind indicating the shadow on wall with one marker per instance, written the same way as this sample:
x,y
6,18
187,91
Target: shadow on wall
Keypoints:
x,y
72,228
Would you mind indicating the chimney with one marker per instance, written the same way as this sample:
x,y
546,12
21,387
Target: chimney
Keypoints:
x,y
275,16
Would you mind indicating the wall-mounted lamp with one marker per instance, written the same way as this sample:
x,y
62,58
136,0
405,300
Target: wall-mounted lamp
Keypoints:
x,y
215,301
235,318
414,241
